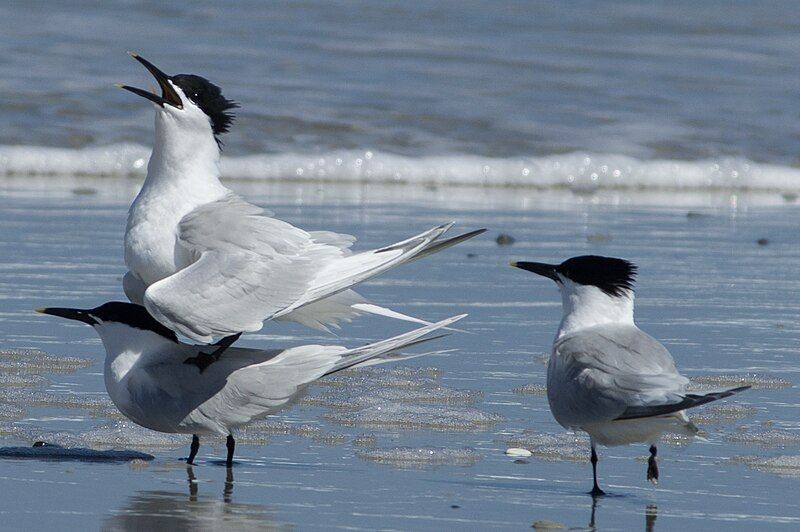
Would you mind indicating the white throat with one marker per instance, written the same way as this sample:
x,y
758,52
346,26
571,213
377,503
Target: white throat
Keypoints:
x,y
183,174
185,151
127,346
586,306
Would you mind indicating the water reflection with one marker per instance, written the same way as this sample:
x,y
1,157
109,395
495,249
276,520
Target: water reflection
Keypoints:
x,y
192,484
594,512
172,511
650,515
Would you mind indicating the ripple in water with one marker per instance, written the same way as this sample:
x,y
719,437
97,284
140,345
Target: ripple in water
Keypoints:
x,y
758,382
564,446
35,361
421,456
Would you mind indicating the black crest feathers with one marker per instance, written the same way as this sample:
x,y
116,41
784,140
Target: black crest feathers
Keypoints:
x,y
612,276
209,98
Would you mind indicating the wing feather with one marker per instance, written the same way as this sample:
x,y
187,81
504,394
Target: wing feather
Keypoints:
x,y
247,267
596,374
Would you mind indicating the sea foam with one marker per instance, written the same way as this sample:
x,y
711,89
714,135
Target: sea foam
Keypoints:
x,y
577,170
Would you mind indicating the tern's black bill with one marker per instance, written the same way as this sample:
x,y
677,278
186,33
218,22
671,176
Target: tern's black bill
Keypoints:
x,y
168,94
539,268
70,314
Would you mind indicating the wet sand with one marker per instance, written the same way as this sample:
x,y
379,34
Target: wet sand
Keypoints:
x,y
421,445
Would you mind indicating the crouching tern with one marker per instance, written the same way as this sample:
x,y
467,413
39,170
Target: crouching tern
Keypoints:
x,y
605,376
209,265
147,380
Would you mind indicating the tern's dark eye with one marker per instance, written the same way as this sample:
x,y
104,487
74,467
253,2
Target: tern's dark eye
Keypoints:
x,y
208,97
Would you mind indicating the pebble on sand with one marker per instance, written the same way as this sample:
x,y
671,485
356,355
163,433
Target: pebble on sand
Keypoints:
x,y
504,240
598,238
548,525
694,214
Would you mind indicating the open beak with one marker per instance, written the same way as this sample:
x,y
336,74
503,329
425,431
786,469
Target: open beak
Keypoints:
x,y
70,314
168,94
539,268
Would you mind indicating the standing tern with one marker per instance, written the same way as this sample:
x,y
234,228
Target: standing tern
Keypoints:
x,y
209,265
605,376
147,380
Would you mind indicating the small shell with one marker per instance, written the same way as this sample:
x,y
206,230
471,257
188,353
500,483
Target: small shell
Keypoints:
x,y
518,452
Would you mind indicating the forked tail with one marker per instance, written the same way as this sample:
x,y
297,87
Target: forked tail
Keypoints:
x,y
348,271
690,400
370,352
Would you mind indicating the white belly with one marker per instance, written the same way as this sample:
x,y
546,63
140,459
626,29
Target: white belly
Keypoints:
x,y
645,430
152,251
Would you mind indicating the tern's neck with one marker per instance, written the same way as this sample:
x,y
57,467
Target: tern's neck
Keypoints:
x,y
127,347
183,156
586,306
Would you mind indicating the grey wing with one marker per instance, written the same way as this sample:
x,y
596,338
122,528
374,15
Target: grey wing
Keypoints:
x,y
243,385
596,374
247,267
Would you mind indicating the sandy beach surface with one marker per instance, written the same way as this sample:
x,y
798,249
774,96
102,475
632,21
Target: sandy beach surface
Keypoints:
x,y
420,445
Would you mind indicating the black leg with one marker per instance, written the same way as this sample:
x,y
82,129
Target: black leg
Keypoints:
x,y
230,444
193,449
596,491
224,344
203,360
652,466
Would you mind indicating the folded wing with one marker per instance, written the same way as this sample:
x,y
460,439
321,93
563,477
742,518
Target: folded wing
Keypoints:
x,y
599,373
248,267
248,383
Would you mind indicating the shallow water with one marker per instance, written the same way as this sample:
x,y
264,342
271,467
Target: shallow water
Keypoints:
x,y
724,305
474,92
518,79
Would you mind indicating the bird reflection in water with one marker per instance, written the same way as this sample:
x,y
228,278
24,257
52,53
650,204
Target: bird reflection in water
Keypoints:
x,y
650,515
164,510
227,490
192,484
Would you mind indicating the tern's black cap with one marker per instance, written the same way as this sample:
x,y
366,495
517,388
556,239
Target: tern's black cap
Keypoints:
x,y
208,97
611,275
135,316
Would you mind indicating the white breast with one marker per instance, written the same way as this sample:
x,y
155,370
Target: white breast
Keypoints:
x,y
182,174
131,390
152,251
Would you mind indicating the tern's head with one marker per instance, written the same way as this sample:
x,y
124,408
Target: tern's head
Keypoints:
x,y
114,319
593,289
187,103
613,277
